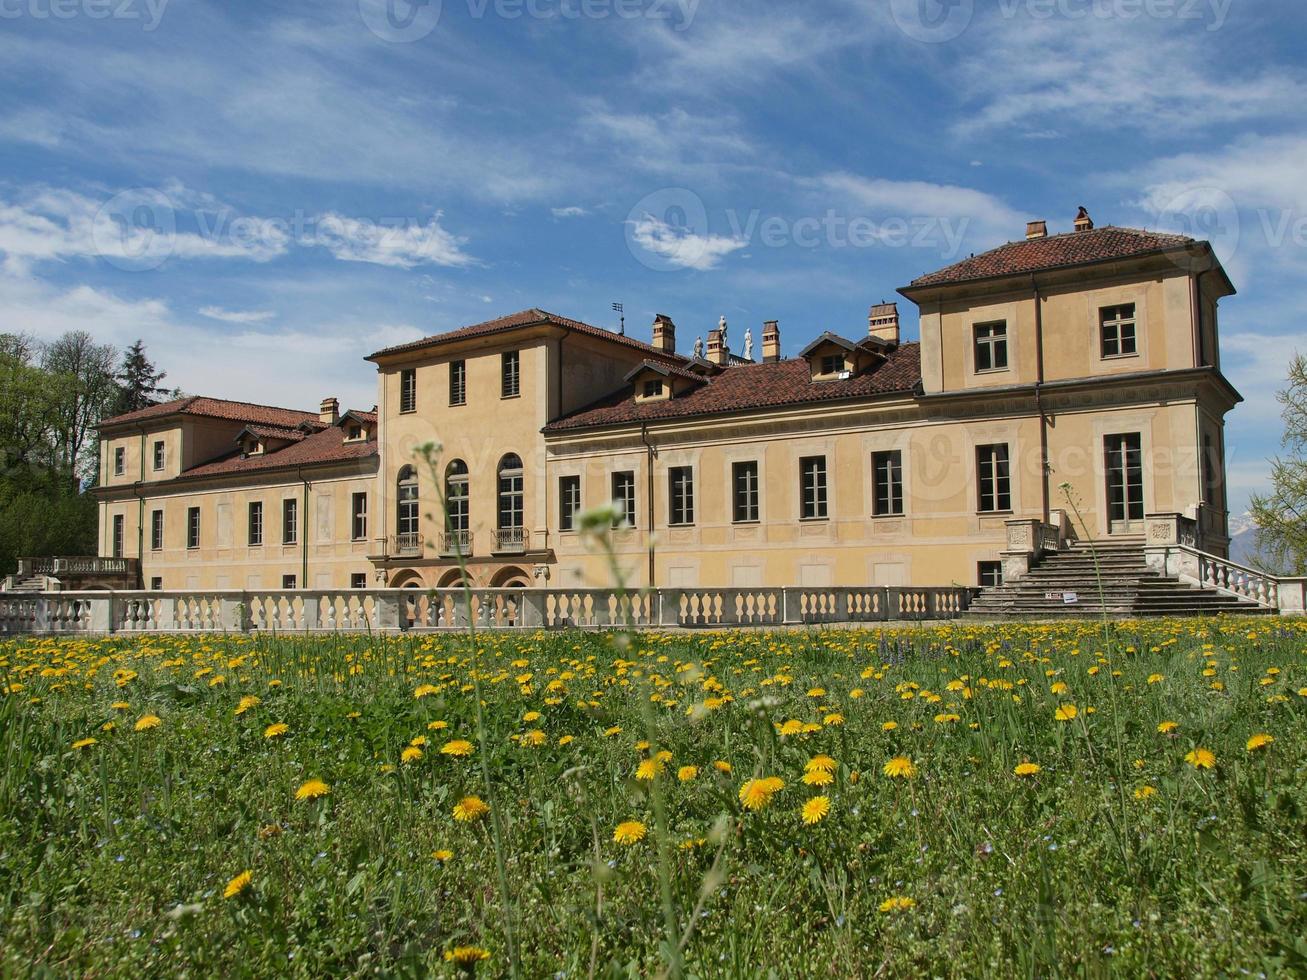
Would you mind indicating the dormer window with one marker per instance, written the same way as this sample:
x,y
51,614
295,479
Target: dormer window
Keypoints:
x,y
653,388
832,364
353,433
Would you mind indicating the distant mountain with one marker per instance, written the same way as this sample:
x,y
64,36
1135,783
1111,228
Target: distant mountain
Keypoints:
x,y
1243,538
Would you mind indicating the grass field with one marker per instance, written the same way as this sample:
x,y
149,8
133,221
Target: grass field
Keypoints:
x,y
953,800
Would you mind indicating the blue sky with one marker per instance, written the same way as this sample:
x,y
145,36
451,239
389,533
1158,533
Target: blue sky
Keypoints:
x,y
266,192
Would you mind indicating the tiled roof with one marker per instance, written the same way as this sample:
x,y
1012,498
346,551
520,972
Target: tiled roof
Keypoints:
x,y
294,434
217,408
324,446
752,387
1054,252
523,318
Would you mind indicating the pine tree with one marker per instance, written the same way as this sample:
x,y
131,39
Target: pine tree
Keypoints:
x,y
1281,515
138,380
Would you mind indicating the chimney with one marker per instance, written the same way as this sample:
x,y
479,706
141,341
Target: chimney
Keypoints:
x,y
1036,229
883,322
664,334
771,341
1083,221
329,411
717,351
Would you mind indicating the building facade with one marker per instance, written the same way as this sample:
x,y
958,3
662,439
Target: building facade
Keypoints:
x,y
1072,378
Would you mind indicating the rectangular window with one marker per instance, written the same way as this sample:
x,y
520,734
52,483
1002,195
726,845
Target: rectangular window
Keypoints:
x,y
358,580
290,520
458,382
256,523
744,492
680,487
569,502
995,482
158,454
832,364
989,574
653,388
1117,330
991,346
358,517
119,461
624,498
408,390
510,375
192,527
511,496
117,535
156,530
812,487
288,581
1125,477
156,583
887,483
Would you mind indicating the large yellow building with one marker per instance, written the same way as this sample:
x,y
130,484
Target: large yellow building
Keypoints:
x,y
1055,374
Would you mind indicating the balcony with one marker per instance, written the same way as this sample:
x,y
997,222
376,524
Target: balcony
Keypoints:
x,y
407,545
455,543
510,540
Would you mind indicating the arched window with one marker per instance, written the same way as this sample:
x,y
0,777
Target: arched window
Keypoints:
x,y
406,514
456,496
510,492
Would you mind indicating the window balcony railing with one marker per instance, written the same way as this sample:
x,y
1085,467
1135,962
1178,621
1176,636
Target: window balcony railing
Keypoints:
x,y
510,540
406,545
454,543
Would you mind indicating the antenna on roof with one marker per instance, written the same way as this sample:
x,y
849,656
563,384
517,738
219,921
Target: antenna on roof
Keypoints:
x,y
619,308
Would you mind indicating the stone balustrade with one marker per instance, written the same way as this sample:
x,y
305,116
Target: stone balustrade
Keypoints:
x,y
390,610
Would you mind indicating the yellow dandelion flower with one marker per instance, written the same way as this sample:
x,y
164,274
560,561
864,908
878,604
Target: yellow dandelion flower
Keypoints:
x,y
466,956
1156,678
1026,769
629,832
108,726
897,903
312,789
900,767
1144,792
238,884
83,743
687,773
757,793
277,730
1200,758
818,777
647,770
534,738
834,718
566,739
815,810
1259,741
437,725
246,703
1065,712
411,753
1167,727
1059,687
146,722
425,690
822,762
459,746
531,716
470,808
722,766
889,726
610,732
443,855
791,727
121,706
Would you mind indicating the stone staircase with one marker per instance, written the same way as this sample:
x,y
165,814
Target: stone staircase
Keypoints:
x,y
33,583
1129,588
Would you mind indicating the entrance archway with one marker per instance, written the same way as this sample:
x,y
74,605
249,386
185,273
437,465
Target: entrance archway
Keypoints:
x,y
510,578
406,579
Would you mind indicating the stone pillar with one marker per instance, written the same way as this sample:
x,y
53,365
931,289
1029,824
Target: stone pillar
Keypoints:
x,y
669,607
1293,596
386,608
792,606
102,613
234,612
531,608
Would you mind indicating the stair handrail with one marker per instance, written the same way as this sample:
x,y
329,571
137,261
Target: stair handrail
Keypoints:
x,y
1241,581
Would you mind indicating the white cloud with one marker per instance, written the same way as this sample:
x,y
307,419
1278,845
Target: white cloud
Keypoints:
x,y
236,316
681,248
401,244
571,211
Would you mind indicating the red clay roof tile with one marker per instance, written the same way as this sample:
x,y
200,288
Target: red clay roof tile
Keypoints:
x,y
217,408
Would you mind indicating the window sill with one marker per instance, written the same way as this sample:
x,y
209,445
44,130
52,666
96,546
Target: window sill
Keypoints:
x,y
813,520
407,411
994,513
457,404
888,516
1117,357
504,398
753,523
999,370
669,524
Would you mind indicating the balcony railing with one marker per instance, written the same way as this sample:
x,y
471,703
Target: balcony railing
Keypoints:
x,y
406,545
510,540
454,543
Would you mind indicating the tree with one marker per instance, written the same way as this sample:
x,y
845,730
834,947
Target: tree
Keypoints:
x,y
1281,515
83,372
138,380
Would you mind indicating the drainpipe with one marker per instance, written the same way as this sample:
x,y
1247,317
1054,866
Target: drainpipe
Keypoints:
x,y
649,495
304,532
140,509
1039,400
